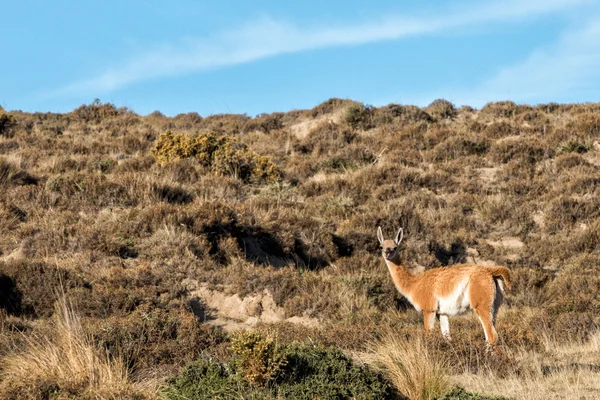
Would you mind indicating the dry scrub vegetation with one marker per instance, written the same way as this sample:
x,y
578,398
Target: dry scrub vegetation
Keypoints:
x,y
135,217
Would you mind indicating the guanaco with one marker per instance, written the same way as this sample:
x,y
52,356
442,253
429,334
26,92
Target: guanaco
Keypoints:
x,y
448,291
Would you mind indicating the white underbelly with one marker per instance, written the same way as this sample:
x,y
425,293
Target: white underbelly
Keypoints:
x,y
456,303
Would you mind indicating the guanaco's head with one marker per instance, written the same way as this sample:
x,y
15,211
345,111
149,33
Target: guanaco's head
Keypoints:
x,y
389,248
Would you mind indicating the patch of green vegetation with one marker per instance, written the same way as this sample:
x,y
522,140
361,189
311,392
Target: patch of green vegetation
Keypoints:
x,y
221,154
575,147
261,369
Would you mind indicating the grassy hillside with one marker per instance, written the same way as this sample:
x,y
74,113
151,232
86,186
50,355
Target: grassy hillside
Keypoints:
x,y
146,242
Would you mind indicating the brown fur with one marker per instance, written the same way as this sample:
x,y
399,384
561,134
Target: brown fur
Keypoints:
x,y
432,290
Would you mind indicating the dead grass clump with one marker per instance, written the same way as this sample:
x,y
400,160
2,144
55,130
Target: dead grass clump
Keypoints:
x,y
32,286
398,115
7,124
455,147
585,185
441,109
11,174
411,367
265,123
570,160
95,112
326,138
525,149
497,130
359,116
588,124
500,109
64,361
172,194
224,123
187,121
150,338
566,211
72,189
329,106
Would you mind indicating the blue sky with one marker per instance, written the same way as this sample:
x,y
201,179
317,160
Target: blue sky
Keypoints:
x,y
263,56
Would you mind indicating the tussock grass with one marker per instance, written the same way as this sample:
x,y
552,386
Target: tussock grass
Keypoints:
x,y
567,370
63,359
413,369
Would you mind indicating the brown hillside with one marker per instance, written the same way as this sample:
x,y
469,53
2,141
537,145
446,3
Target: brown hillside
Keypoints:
x,y
136,217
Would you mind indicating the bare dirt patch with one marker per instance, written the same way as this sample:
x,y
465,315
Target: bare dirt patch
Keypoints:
x,y
232,312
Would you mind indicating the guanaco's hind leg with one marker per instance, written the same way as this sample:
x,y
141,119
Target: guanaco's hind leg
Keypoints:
x,y
486,318
482,295
428,320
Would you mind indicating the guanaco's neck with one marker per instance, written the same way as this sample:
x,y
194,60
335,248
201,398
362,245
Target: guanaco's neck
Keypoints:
x,y
403,280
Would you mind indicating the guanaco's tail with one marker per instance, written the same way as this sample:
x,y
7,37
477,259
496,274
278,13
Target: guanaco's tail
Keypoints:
x,y
501,272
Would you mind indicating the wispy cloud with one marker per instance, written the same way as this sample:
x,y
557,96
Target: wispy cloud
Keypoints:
x,y
267,37
567,70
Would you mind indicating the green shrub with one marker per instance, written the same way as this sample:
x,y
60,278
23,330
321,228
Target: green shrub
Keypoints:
x,y
221,154
326,373
303,372
204,379
258,358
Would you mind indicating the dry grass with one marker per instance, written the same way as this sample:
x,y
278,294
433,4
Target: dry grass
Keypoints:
x,y
567,370
413,369
64,361
84,202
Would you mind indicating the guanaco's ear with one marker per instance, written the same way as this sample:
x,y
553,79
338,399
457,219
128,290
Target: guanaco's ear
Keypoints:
x,y
399,236
380,235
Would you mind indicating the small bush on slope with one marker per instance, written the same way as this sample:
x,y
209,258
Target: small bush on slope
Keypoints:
x,y
307,373
221,154
7,123
441,109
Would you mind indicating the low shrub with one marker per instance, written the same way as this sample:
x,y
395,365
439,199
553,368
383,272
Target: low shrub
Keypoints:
x,y
7,124
11,174
359,116
441,109
499,109
220,154
258,357
575,147
303,372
